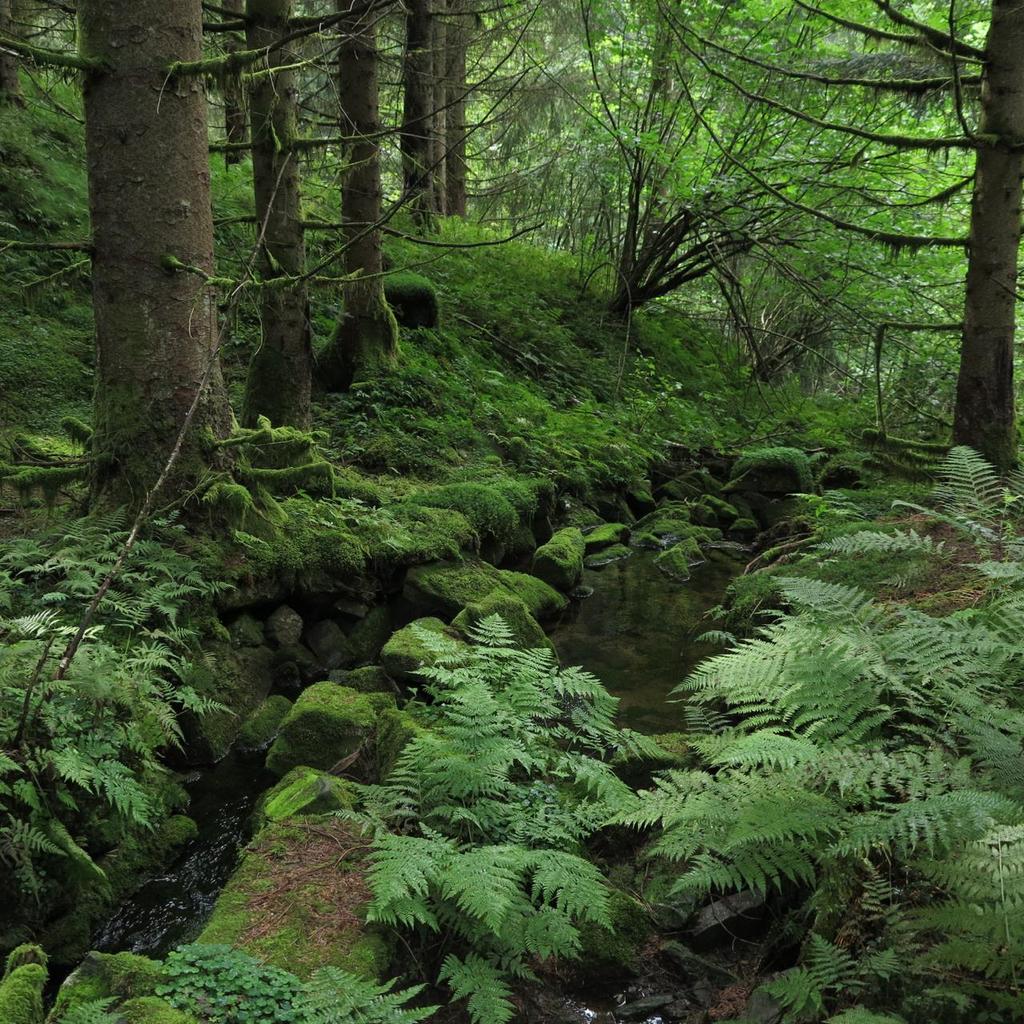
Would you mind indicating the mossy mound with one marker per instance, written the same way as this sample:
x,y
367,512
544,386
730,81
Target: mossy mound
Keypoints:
x,y
306,791
106,976
678,560
605,536
445,588
745,529
725,513
240,679
526,631
606,556
772,471
21,994
368,679
152,1010
298,901
407,651
486,508
559,563
260,728
413,300
670,523
329,723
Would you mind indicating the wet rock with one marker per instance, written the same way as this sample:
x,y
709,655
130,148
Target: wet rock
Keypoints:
x,y
246,631
641,1009
605,536
738,916
606,556
559,563
678,560
284,626
328,642
692,965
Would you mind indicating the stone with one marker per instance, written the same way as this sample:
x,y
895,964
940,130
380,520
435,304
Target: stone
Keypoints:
x,y
305,790
107,976
677,560
526,631
559,563
246,631
330,723
328,642
606,556
370,633
368,679
641,1009
284,626
261,727
739,915
605,536
295,666
351,607
407,651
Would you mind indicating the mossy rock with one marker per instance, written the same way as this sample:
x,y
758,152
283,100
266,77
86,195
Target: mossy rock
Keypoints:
x,y
103,976
679,490
605,536
526,631
523,542
725,513
582,516
152,1010
670,524
407,652
486,507
327,640
260,728
745,529
370,633
304,791
559,563
445,588
21,994
606,556
246,631
678,560
240,679
298,901
368,679
772,471
615,953
329,723
413,300
640,497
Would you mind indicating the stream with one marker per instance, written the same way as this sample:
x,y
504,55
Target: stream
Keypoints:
x,y
636,631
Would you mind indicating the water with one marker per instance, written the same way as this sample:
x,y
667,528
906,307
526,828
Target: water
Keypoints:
x,y
173,908
638,632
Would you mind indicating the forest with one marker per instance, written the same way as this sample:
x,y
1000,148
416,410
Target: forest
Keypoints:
x,y
511,511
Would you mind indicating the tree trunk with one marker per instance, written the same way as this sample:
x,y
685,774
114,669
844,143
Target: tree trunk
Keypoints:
x,y
984,417
439,134
234,100
278,386
455,76
10,86
149,201
366,337
418,115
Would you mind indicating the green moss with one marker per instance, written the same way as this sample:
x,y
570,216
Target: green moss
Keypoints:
x,y
21,994
540,598
773,471
445,588
513,611
559,563
670,523
315,919
723,511
103,976
487,510
746,600
605,536
305,790
368,679
413,299
677,560
406,652
327,724
260,728
606,556
152,1010
616,952
745,528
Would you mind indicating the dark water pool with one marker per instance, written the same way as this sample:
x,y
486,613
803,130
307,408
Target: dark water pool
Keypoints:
x,y
637,631
173,908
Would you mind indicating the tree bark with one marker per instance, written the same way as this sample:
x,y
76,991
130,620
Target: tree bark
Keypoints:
x,y
10,86
365,339
278,385
985,415
234,99
149,202
418,112
455,76
439,106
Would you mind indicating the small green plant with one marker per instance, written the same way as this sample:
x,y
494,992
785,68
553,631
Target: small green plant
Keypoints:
x,y
479,828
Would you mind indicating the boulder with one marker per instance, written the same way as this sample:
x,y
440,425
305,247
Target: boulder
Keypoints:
x,y
120,976
284,626
606,556
369,634
368,679
305,790
605,536
328,642
408,651
774,471
329,723
739,915
678,560
21,990
246,631
526,631
260,728
559,563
